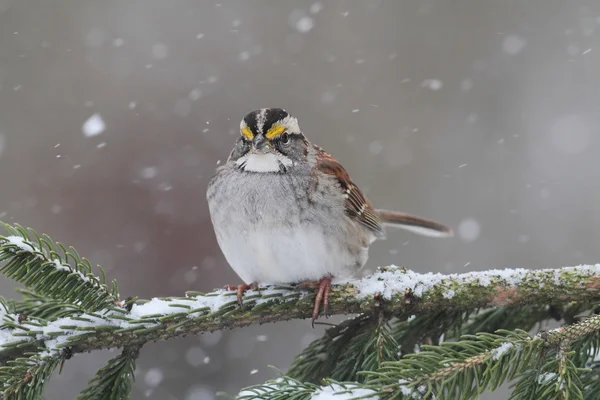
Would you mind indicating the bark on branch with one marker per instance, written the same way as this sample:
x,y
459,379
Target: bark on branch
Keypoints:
x,y
391,290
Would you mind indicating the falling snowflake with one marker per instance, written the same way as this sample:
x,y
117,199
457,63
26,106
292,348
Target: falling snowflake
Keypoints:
x,y
513,44
93,126
433,84
469,230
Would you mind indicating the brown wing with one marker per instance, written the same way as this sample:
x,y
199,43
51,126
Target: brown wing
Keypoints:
x,y
356,205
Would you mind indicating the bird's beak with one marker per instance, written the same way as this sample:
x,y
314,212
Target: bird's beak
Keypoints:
x,y
261,144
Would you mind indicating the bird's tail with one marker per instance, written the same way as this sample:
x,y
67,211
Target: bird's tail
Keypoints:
x,y
414,224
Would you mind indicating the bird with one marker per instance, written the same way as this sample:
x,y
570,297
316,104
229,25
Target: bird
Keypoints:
x,y
285,211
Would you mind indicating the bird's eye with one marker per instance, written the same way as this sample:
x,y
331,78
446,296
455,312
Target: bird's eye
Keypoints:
x,y
285,138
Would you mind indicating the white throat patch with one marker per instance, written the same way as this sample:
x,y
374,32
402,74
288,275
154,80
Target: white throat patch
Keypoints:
x,y
269,162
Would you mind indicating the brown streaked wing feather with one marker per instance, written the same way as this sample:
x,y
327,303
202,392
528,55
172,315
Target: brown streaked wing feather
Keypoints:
x,y
357,206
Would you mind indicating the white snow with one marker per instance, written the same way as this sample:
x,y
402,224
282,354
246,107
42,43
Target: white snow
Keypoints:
x,y
338,392
305,24
6,336
21,243
432,84
195,356
300,20
393,280
501,350
388,282
153,377
261,338
449,294
212,301
93,126
149,172
406,391
545,377
29,247
315,8
63,267
513,44
469,229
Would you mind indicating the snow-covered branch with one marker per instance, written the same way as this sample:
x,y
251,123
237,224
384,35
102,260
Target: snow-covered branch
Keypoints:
x,y
392,290
66,309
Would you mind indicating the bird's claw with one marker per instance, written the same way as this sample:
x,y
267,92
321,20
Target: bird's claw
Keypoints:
x,y
324,287
241,289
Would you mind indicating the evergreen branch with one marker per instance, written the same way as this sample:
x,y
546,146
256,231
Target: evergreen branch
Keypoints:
x,y
319,358
428,328
286,388
37,306
565,335
25,378
51,270
391,291
546,364
72,311
357,345
591,381
508,318
461,369
114,381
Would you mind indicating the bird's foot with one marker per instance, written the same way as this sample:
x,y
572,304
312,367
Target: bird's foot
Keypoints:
x,y
241,289
324,287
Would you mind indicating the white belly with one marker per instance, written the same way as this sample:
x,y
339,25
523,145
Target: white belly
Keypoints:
x,y
285,255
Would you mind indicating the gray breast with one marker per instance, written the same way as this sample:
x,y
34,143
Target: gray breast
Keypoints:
x,y
238,199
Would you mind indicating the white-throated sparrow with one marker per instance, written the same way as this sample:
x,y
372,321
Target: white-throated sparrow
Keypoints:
x,y
285,211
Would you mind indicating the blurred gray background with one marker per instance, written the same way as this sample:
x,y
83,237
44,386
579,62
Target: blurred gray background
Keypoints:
x,y
114,114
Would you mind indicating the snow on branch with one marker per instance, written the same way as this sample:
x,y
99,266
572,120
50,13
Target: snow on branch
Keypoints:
x,y
51,270
66,309
391,289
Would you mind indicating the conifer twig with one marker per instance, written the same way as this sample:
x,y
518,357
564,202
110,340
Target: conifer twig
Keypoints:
x,y
391,290
66,309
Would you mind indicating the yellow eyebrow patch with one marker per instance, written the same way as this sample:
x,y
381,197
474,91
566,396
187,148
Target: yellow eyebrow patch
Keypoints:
x,y
247,133
275,131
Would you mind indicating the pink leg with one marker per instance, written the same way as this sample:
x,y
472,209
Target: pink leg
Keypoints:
x,y
241,288
324,287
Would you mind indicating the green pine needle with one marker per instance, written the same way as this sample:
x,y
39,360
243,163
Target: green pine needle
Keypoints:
x,y
25,378
50,270
115,380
